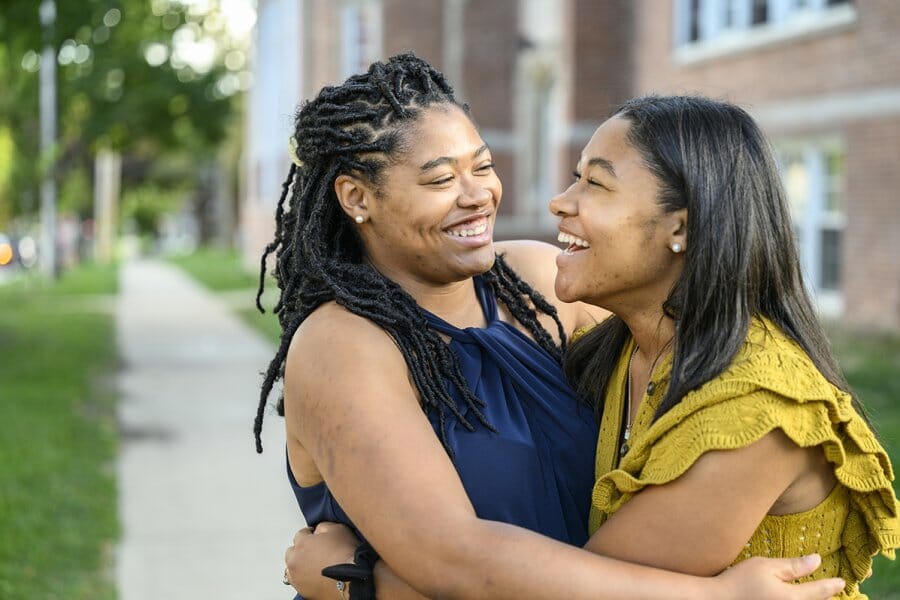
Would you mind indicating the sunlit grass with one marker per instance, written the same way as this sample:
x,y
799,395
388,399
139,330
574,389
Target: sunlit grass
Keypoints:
x,y
57,403
223,272
871,362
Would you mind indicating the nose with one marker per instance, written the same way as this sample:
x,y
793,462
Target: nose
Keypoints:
x,y
563,205
474,195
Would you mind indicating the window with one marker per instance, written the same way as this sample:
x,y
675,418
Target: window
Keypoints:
x,y
717,22
814,178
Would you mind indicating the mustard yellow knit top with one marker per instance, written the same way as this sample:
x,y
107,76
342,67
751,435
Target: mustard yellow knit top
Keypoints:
x,y
771,383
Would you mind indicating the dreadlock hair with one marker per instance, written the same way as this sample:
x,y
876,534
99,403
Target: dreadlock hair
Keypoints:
x,y
711,158
359,128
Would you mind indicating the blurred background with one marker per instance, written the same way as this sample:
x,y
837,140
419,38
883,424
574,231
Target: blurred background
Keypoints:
x,y
143,144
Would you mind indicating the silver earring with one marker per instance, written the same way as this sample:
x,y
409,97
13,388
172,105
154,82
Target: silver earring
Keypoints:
x,y
359,219
676,248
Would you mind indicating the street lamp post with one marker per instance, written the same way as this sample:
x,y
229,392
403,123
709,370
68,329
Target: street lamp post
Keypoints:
x,y
48,140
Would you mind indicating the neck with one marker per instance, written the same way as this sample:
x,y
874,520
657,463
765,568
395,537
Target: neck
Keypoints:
x,y
455,302
652,331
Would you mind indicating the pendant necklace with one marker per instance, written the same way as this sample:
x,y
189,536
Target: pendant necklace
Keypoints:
x,y
623,449
651,387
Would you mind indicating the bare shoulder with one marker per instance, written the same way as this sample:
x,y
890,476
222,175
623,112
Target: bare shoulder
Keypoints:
x,y
335,327
535,262
333,347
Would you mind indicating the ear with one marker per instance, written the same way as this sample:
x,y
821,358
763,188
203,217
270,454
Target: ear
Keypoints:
x,y
678,223
354,196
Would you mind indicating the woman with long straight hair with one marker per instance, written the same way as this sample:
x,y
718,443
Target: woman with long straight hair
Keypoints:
x,y
727,426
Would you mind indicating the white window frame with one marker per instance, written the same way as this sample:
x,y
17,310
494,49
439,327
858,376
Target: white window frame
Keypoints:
x,y
817,218
786,22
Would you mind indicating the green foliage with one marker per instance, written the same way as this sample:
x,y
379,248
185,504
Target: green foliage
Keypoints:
x,y
58,496
75,193
219,270
109,94
145,206
871,362
6,166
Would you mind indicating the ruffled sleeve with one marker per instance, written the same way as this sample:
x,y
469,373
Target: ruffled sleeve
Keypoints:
x,y
774,388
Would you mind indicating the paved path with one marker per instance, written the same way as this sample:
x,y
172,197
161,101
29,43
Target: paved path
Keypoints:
x,y
203,515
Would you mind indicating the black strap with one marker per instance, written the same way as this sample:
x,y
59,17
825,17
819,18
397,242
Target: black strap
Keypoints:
x,y
359,573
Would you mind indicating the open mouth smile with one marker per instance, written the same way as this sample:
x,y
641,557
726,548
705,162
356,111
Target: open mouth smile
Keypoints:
x,y
575,243
470,229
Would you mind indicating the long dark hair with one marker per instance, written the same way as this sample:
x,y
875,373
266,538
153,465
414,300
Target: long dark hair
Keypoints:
x,y
711,158
359,128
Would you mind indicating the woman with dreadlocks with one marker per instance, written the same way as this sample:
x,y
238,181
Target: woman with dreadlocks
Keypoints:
x,y
423,392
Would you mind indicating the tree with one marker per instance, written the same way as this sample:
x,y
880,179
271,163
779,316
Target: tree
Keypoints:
x,y
126,83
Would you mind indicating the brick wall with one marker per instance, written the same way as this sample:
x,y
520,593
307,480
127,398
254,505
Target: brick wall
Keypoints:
x,y
490,48
602,69
872,249
865,53
489,62
601,58
850,64
416,26
321,47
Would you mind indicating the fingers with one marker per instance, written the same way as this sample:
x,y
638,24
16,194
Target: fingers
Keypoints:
x,y
328,527
302,533
292,549
818,590
795,568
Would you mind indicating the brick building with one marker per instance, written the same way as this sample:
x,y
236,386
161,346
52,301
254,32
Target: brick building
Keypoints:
x,y
821,76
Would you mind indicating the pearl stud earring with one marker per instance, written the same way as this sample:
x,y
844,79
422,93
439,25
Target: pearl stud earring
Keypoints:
x,y
359,219
676,248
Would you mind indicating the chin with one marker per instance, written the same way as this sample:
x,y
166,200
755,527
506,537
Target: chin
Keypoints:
x,y
564,291
481,260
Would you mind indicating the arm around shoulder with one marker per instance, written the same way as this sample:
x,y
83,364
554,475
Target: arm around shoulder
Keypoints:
x,y
350,403
713,507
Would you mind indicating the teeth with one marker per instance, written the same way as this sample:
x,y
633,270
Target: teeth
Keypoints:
x,y
477,230
567,238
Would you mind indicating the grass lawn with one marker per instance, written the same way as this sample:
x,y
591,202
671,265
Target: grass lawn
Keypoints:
x,y
223,272
58,514
871,362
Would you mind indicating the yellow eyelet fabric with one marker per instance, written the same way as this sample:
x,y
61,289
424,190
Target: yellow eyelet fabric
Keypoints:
x,y
771,383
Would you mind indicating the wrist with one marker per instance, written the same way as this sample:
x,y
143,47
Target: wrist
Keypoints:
x,y
357,571
343,587
713,587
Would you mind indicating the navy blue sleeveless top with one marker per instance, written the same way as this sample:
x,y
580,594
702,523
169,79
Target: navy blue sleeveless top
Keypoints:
x,y
537,470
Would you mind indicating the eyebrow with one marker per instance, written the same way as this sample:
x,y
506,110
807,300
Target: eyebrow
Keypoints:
x,y
602,162
442,160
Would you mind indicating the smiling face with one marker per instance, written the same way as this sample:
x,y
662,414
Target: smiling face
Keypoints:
x,y
432,220
618,237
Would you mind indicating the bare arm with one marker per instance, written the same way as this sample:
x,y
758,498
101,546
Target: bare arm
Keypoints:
x,y
756,578
350,404
713,508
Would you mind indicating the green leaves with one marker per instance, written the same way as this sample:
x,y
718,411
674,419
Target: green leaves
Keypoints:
x,y
145,78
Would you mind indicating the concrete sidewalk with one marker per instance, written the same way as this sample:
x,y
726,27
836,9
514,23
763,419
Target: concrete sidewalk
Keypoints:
x,y
203,515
